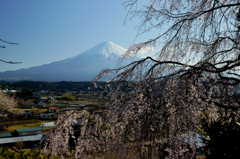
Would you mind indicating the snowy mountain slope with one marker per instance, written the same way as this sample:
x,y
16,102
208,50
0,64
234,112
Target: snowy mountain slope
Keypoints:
x,y
83,67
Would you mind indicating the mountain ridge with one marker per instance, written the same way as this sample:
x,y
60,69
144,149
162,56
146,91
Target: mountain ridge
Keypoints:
x,y
82,67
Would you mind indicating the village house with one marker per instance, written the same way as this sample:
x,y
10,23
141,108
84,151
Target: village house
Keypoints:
x,y
48,116
53,109
29,131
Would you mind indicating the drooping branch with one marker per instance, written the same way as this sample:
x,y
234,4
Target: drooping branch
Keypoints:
x,y
8,42
10,62
3,46
204,29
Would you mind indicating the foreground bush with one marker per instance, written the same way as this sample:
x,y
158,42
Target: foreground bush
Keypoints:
x,y
12,153
224,135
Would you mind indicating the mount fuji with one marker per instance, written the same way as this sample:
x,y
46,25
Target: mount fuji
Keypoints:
x,y
83,67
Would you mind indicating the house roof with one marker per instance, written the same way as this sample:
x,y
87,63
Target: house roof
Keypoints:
x,y
53,107
24,130
8,134
49,124
21,139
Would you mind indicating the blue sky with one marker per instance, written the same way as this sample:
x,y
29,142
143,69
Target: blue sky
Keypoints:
x,y
51,30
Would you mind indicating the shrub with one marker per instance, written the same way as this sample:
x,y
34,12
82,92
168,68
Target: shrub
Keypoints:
x,y
13,153
224,134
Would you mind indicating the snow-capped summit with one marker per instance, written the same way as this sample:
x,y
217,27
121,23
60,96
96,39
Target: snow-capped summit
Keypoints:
x,y
83,67
108,48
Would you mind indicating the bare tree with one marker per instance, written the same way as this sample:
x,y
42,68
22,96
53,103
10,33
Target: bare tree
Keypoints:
x,y
6,107
6,102
192,36
192,77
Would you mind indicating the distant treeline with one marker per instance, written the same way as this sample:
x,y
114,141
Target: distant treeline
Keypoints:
x,y
66,86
